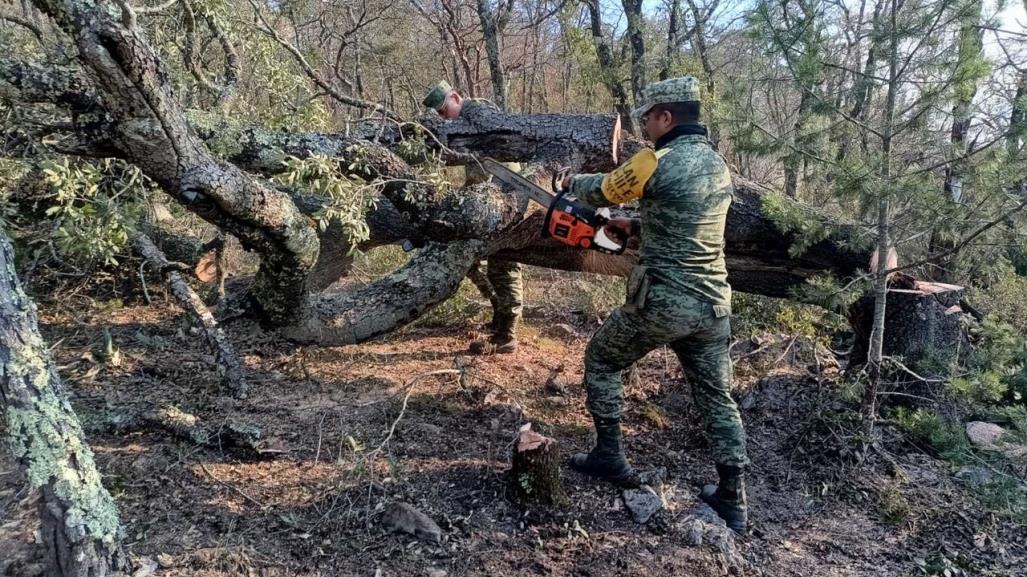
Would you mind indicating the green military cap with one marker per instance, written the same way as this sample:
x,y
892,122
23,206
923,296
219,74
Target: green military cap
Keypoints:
x,y
437,95
681,89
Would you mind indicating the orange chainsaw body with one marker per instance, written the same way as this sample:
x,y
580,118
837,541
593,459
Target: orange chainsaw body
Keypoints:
x,y
572,222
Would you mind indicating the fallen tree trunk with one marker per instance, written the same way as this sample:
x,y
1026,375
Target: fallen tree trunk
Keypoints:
x,y
230,434
79,532
228,365
757,250
592,142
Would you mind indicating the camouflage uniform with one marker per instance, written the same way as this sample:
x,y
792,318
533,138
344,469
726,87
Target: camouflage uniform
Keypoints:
x,y
503,276
678,294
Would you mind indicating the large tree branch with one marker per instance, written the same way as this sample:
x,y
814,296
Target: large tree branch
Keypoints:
x,y
429,278
150,129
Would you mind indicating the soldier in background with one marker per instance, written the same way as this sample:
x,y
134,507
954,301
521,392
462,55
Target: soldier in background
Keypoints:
x,y
504,277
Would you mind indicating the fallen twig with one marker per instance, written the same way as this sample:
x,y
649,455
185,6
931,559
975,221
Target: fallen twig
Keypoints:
x,y
227,361
409,388
233,488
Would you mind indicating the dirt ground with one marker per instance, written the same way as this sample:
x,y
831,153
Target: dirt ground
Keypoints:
x,y
311,505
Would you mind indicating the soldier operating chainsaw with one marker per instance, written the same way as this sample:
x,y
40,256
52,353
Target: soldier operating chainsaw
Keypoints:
x,y
678,294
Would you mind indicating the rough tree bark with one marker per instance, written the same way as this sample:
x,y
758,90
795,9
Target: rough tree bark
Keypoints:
x,y
673,39
493,21
924,325
145,124
965,85
636,38
535,471
702,15
80,530
970,47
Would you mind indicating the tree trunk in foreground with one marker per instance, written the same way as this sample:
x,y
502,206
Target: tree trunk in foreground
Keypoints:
x,y
79,519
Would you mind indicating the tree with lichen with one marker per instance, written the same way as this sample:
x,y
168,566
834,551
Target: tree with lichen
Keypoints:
x,y
80,529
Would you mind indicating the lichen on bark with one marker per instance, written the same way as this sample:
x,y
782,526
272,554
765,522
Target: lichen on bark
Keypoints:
x,y
47,440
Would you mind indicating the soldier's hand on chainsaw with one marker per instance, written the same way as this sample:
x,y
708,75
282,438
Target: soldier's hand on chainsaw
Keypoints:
x,y
565,181
619,228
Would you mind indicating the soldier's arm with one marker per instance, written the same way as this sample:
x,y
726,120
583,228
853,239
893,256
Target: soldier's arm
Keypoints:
x,y
589,188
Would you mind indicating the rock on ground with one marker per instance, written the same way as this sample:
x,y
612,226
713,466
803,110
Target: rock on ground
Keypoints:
x,y
989,436
404,518
984,435
700,525
642,503
973,475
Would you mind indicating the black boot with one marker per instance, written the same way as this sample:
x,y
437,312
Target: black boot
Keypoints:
x,y
606,461
503,338
728,497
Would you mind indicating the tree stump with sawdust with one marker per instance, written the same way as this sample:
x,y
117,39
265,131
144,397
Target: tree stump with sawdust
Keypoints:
x,y
925,327
535,475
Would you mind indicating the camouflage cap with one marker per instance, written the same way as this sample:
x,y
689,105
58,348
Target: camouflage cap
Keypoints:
x,y
681,89
437,95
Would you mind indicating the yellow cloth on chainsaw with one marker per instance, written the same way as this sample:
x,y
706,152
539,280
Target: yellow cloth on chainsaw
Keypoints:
x,y
628,180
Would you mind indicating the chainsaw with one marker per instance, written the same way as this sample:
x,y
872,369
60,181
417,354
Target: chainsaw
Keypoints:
x,y
568,220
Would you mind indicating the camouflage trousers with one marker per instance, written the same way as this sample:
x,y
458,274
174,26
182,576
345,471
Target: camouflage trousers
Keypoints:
x,y
656,315
502,285
505,278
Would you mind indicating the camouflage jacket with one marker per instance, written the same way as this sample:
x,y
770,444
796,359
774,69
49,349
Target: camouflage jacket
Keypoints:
x,y
683,210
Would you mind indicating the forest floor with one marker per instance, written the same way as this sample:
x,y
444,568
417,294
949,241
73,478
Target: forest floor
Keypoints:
x,y
312,503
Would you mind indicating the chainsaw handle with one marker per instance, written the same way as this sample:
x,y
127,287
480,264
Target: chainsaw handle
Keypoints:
x,y
618,236
615,235
558,177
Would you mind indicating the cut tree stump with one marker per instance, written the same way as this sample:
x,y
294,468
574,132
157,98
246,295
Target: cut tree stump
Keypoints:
x,y
535,475
925,327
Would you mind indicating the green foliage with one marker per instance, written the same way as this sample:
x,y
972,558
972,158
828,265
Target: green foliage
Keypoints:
x,y
824,291
349,198
930,430
413,148
947,438
95,208
11,172
371,265
996,370
895,508
597,295
790,219
753,314
945,564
